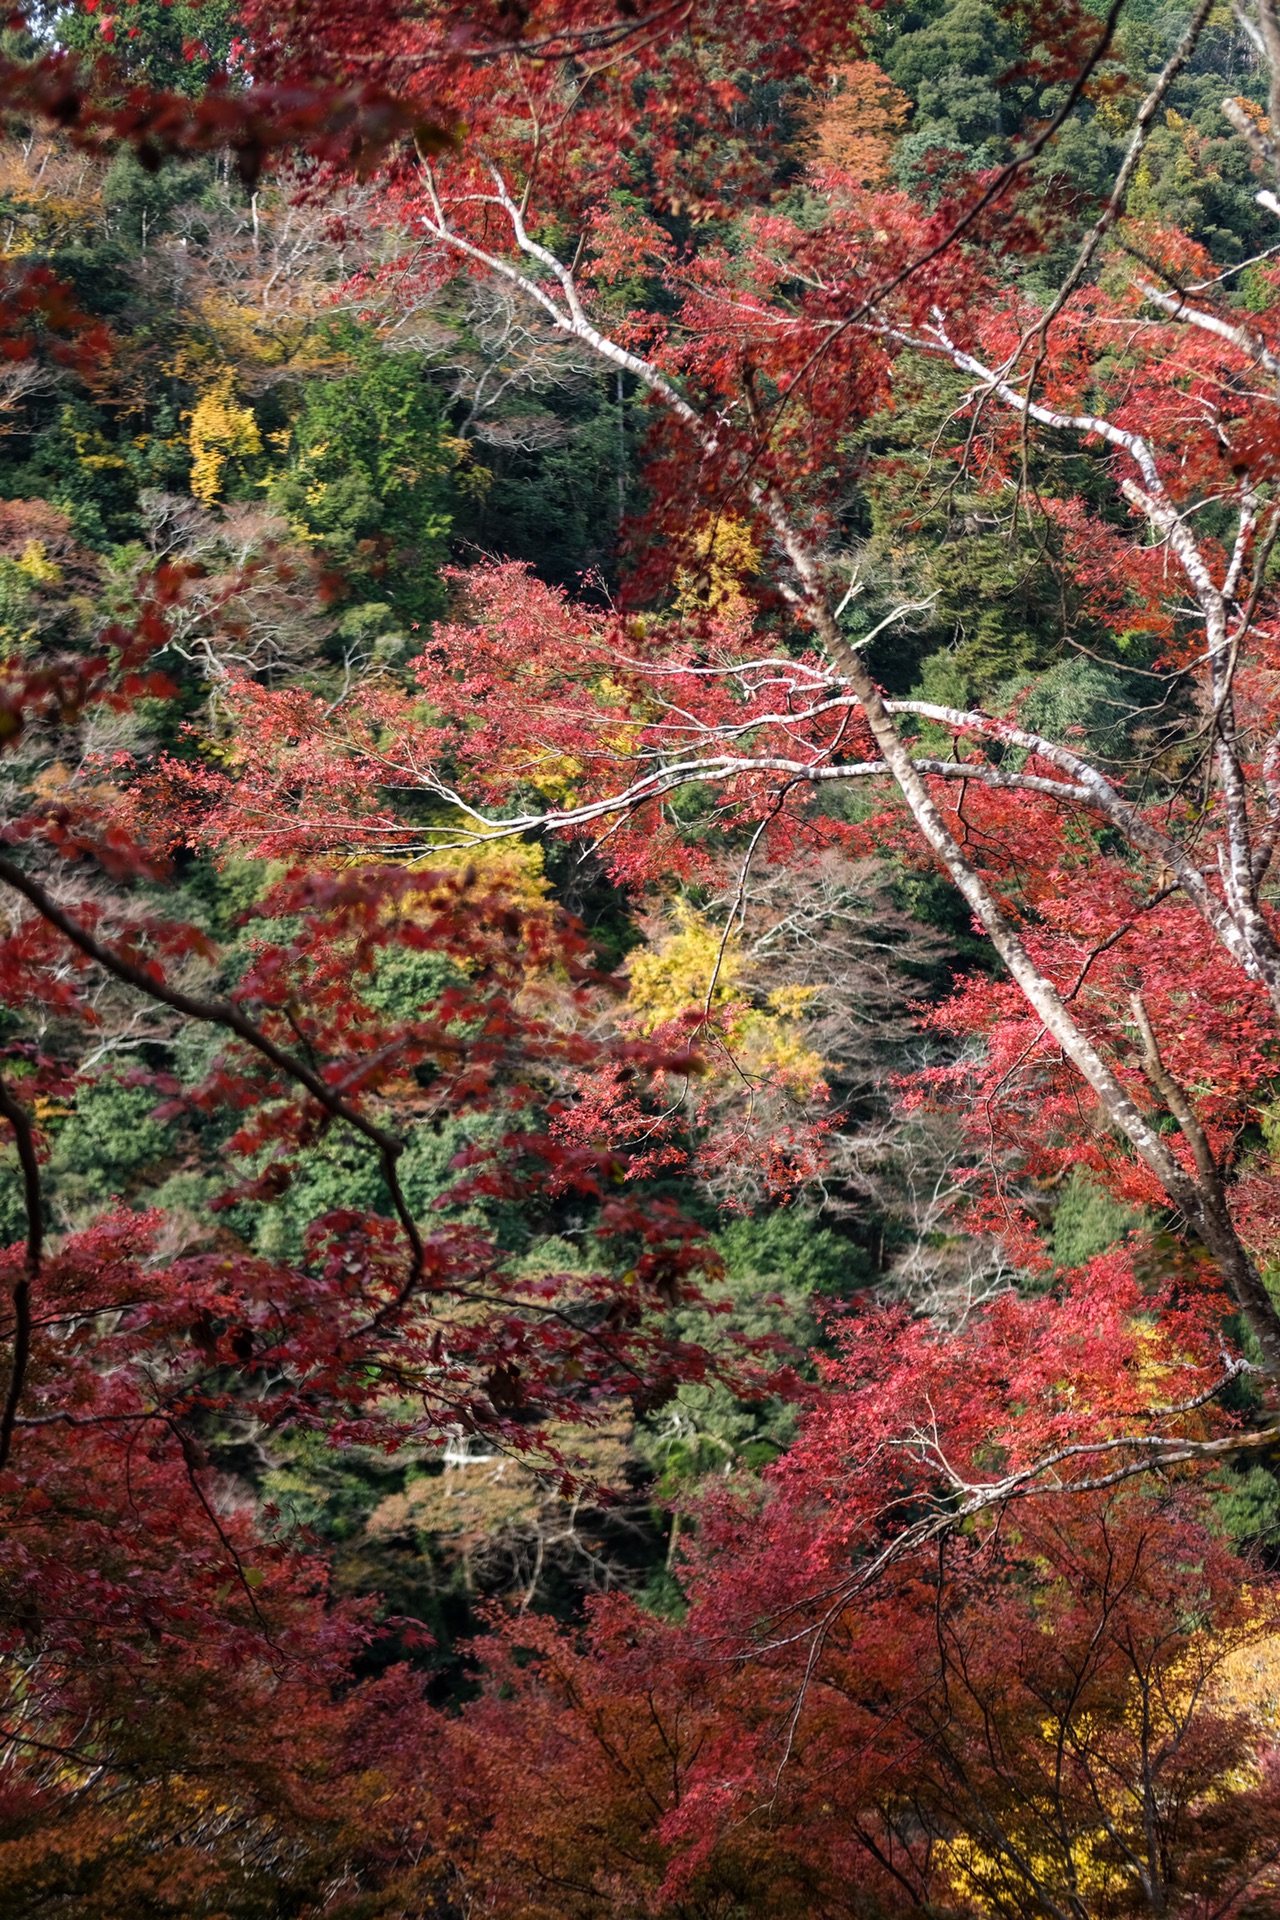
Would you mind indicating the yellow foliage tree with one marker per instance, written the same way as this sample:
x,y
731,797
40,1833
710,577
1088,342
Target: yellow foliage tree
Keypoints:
x,y
221,430
727,556
695,968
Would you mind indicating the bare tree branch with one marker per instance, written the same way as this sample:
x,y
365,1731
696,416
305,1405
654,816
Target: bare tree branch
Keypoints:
x,y
20,1121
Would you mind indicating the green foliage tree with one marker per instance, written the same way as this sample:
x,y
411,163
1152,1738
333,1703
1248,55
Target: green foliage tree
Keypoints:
x,y
368,477
176,44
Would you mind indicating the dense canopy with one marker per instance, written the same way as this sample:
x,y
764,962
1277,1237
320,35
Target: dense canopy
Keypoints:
x,y
640,960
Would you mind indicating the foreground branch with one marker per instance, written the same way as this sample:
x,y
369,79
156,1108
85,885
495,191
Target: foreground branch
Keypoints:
x,y
225,1014
20,1121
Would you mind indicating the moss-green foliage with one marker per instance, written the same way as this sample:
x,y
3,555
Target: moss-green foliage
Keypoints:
x,y
342,1171
788,1249
36,609
339,1171
91,452
983,566
1195,171
777,1267
13,1212
557,505
327,1490
175,44
108,1145
367,474
959,63
108,1149
1087,1221
950,66
368,477
1248,1508
405,980
76,463
370,632
1077,698
219,896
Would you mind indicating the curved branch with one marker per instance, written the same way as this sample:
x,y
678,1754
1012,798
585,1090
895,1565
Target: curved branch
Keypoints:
x,y
20,1121
670,779
224,1013
1172,1094
1178,307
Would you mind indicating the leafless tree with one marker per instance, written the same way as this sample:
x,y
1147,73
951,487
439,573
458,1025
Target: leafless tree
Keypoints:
x,y
249,606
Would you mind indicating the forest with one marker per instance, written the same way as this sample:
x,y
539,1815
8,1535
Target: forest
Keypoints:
x,y
640,960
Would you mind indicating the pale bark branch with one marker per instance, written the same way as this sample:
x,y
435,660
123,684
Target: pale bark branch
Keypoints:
x,y
1251,944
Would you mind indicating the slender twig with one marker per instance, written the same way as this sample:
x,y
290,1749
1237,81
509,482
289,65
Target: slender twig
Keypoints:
x,y
19,1119
1113,939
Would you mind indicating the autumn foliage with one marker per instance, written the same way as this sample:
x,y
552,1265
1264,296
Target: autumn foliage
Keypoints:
x,y
977,1641
1023,1712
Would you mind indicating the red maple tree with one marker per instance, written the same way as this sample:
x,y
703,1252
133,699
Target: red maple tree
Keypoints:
x,y
1101,899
